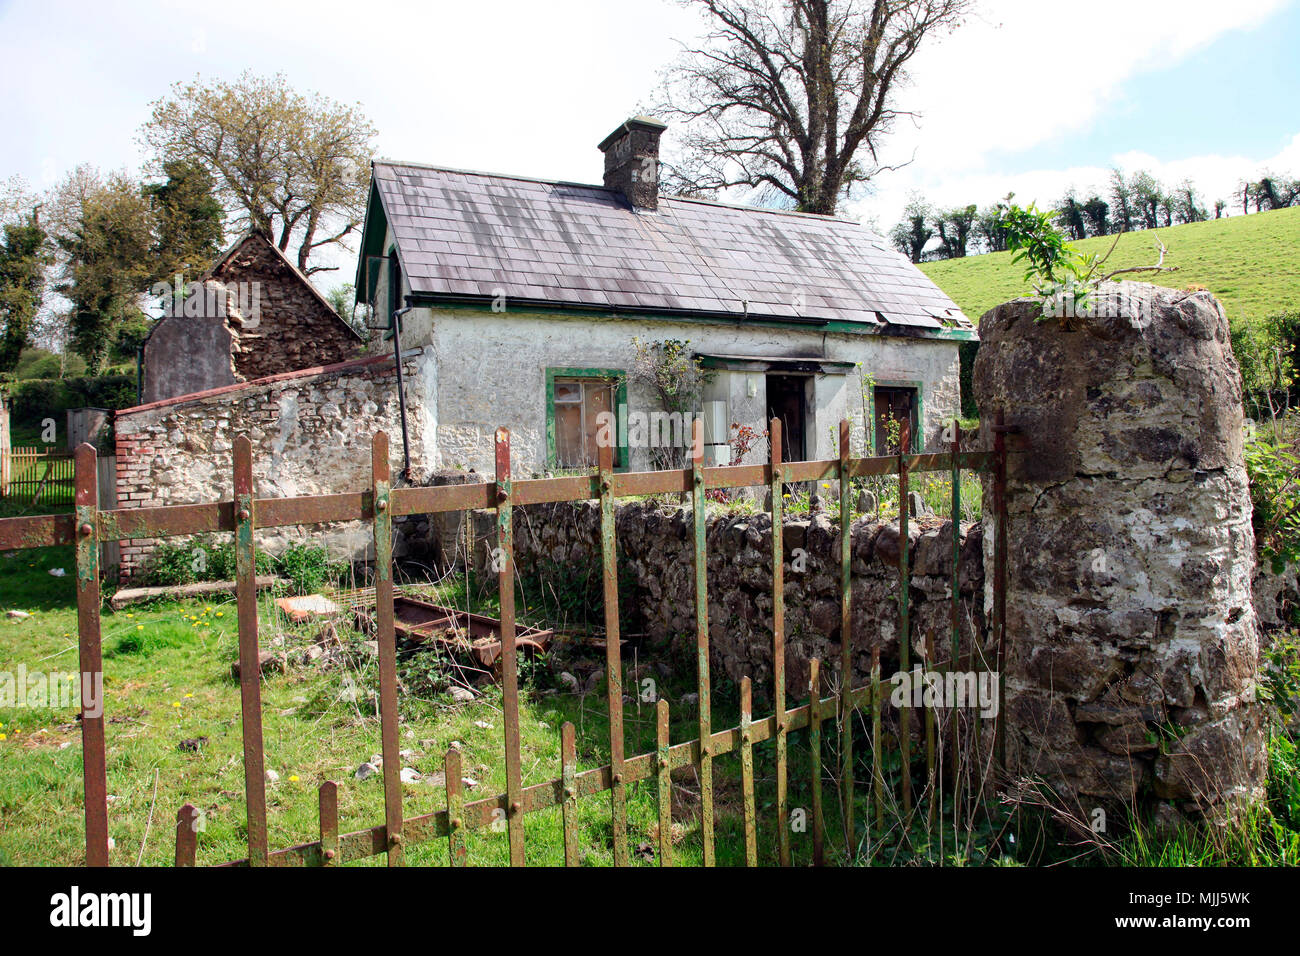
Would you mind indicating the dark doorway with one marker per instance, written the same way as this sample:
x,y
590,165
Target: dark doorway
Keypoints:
x,y
785,400
893,407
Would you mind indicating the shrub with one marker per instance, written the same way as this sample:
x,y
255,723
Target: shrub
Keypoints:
x,y
35,399
1272,455
1268,353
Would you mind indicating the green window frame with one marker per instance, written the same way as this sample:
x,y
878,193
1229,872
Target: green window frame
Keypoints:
x,y
618,377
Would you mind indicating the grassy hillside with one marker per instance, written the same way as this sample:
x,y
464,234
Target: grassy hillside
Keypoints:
x,y
1252,263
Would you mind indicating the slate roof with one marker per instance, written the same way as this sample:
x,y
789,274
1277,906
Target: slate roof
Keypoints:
x,y
468,235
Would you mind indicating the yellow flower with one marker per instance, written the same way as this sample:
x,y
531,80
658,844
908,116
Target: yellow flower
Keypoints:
x,y
176,703
130,615
4,736
220,614
189,695
139,627
293,778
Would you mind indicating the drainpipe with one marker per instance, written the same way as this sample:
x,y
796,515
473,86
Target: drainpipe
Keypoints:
x,y
139,374
401,389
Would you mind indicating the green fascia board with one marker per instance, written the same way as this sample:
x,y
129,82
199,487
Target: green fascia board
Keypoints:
x,y
433,300
373,230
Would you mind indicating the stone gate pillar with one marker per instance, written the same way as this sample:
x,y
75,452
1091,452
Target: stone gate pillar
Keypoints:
x,y
1132,646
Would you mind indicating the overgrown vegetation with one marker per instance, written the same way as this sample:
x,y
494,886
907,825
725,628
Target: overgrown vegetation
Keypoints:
x,y
307,567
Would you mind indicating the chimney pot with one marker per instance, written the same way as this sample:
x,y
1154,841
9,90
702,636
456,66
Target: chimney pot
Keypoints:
x,y
632,161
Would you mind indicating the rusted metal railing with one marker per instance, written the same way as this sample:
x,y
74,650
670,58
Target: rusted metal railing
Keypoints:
x,y
89,527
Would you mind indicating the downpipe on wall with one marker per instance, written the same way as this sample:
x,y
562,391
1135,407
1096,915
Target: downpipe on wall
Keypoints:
x,y
395,327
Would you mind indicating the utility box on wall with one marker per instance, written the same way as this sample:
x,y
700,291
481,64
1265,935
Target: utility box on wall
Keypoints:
x,y
717,434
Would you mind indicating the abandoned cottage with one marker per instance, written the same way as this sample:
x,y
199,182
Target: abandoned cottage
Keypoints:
x,y
520,302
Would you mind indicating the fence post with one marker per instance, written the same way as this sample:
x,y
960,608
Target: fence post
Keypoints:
x,y
568,781
701,527
954,723
382,521
456,850
328,804
509,663
904,630
250,670
815,759
613,659
5,450
777,486
94,764
665,784
846,644
187,827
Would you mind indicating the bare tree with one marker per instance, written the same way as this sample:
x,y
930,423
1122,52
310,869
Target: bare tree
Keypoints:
x,y
786,95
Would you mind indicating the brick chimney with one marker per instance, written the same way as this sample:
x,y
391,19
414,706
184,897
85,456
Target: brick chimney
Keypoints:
x,y
632,161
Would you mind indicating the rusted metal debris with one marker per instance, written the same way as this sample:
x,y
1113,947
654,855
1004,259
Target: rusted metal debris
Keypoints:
x,y
460,632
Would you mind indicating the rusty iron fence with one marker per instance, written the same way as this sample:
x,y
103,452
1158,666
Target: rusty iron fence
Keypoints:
x,y
90,526
36,475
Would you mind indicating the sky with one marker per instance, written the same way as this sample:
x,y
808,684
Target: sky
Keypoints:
x,y
1033,96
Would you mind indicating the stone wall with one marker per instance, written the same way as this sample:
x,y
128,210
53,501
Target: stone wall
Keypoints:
x,y
1132,637
656,560
296,327
311,433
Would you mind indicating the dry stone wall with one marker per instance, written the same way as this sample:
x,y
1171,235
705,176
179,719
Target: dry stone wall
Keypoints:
x,y
656,561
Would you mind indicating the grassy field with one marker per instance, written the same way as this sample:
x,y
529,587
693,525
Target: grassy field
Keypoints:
x,y
1251,263
168,685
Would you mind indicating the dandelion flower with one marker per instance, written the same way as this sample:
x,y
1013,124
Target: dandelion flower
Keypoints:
x,y
293,778
4,736
139,627
176,703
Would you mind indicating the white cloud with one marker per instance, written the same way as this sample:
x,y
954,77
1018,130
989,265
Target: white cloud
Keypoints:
x,y
1025,72
1216,176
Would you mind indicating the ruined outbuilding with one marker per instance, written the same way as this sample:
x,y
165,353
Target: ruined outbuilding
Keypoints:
x,y
253,315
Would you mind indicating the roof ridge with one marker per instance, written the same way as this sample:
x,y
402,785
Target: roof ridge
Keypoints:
x,y
743,207
490,175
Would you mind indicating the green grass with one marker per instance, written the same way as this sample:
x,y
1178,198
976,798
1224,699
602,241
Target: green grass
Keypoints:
x,y
168,680
1249,262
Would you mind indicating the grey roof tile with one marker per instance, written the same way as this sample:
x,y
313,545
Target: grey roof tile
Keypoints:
x,y
463,233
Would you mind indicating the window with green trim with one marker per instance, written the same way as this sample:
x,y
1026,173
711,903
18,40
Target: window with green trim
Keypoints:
x,y
581,406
